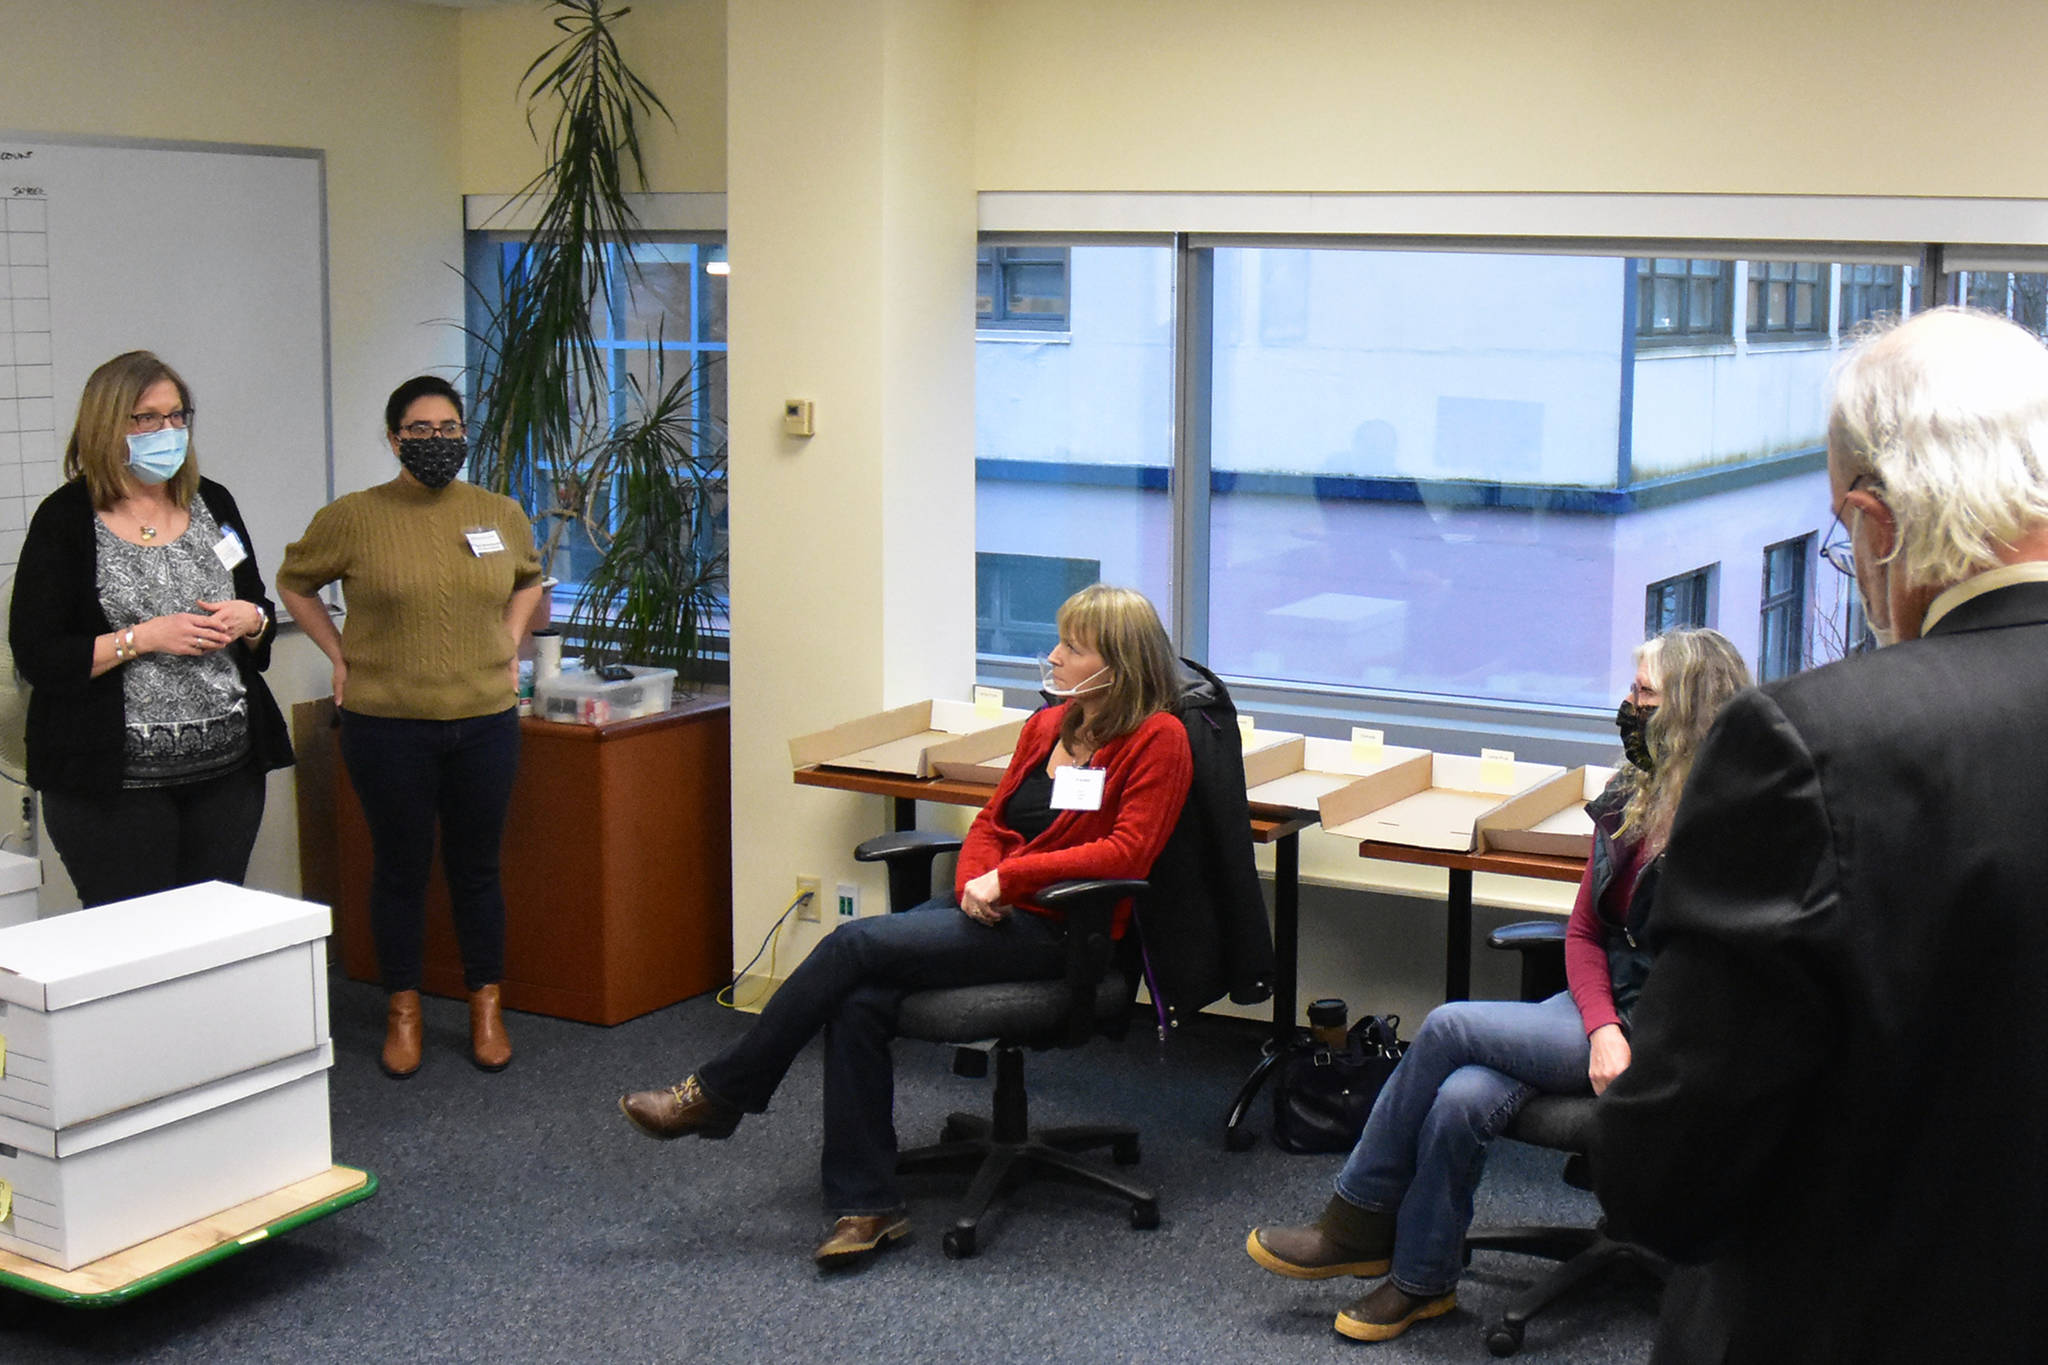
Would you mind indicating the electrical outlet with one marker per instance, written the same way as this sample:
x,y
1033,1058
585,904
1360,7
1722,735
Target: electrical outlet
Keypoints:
x,y
815,888
849,900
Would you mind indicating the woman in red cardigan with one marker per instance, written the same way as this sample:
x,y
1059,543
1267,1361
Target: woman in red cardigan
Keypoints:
x,y
1093,790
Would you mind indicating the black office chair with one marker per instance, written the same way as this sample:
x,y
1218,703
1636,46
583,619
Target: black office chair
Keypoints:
x,y
1562,1123
1094,998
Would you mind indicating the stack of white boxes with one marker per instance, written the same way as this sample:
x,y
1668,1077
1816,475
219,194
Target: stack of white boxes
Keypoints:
x,y
161,1060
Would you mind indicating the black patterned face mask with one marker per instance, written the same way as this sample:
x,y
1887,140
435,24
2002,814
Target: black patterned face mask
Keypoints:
x,y
1634,723
432,460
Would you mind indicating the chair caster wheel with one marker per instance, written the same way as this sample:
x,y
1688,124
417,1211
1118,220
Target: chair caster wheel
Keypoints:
x,y
1124,1151
1145,1216
958,1243
1503,1339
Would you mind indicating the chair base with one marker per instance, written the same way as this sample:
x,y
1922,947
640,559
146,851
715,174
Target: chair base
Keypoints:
x,y
1004,1154
1582,1253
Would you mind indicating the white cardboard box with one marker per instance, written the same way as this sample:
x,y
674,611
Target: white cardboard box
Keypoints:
x,y
907,740
19,878
91,1190
1549,818
1297,774
1431,801
115,1006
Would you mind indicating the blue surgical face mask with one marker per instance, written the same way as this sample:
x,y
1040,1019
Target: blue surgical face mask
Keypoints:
x,y
155,456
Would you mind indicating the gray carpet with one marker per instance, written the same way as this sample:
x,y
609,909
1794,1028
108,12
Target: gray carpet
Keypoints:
x,y
522,1220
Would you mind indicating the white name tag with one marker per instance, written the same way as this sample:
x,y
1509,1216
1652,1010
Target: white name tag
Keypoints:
x,y
483,543
1077,788
230,551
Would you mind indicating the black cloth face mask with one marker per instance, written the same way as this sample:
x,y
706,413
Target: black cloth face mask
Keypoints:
x,y
432,460
1634,723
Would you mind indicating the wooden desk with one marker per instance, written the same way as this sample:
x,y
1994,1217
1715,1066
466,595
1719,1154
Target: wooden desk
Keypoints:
x,y
1458,901
617,865
1280,828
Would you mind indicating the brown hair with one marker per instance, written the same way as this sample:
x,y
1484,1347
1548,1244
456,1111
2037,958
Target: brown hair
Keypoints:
x,y
1697,671
98,448
1122,627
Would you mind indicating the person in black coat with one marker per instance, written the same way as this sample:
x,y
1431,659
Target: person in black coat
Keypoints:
x,y
1837,1103
140,620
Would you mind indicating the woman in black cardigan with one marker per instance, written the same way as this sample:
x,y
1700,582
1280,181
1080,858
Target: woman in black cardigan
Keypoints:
x,y
141,622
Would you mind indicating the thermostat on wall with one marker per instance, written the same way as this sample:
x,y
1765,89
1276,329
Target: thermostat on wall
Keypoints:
x,y
796,417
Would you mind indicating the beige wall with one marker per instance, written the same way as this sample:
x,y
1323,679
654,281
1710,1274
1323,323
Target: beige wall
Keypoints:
x,y
1893,97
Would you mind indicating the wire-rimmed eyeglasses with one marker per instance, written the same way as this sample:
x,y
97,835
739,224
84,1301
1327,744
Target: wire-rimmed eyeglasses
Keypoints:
x,y
1838,547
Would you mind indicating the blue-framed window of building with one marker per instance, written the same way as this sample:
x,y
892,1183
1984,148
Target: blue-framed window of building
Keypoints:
x,y
1788,300
1683,302
1682,600
1017,600
1781,633
1021,288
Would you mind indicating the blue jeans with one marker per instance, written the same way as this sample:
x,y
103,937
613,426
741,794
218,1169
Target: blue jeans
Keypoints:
x,y
1470,1068
412,775
850,987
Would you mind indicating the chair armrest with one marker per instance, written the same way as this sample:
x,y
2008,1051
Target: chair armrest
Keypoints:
x,y
1541,944
1090,909
909,855
1528,935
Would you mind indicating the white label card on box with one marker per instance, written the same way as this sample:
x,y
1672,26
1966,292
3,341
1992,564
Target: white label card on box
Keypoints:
x,y
230,551
1497,770
1367,746
484,542
988,703
6,1201
1246,728
1077,788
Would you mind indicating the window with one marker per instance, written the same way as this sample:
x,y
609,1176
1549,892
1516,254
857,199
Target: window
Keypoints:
x,y
1781,634
1787,299
1682,302
1871,291
1021,287
1017,600
1680,601
2019,295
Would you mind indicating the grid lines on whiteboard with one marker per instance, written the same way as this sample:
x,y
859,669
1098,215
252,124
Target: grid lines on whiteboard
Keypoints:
x,y
30,462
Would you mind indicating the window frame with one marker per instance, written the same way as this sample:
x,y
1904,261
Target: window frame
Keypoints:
x,y
1695,589
1787,608
1811,280
1006,259
1717,331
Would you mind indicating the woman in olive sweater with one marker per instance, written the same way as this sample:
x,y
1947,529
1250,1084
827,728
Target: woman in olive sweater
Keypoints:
x,y
441,580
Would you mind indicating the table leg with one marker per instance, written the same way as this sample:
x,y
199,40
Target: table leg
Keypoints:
x,y
1286,932
904,809
1458,937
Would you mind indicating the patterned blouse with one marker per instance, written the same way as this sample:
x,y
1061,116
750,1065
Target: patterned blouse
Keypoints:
x,y
187,716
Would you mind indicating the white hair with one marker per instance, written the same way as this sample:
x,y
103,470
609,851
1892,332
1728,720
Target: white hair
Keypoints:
x,y
1945,416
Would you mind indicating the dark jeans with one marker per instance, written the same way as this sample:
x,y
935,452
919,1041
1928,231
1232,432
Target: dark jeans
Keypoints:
x,y
408,774
850,987
140,840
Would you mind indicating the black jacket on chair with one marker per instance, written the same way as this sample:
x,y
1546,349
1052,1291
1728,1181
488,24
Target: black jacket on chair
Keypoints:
x,y
1205,928
1839,1101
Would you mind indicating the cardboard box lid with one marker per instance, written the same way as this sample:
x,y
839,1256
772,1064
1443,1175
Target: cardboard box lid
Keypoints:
x,y
1548,818
18,873
142,1118
66,960
898,740
1298,774
1435,802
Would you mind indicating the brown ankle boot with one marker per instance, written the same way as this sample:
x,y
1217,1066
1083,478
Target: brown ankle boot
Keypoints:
x,y
401,1055
489,1048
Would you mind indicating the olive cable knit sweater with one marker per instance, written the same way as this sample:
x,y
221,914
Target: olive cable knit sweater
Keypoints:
x,y
425,636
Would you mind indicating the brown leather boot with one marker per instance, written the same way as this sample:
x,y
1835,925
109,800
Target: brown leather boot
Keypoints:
x,y
489,1048
401,1055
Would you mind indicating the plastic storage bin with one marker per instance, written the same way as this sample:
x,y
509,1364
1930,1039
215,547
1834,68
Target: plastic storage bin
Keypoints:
x,y
581,698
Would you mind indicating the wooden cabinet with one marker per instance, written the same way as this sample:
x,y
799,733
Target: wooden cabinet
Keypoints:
x,y
617,865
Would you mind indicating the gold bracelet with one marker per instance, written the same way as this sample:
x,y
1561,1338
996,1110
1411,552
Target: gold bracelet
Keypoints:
x,y
129,638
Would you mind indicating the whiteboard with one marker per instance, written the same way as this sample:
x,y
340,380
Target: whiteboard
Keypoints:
x,y
212,256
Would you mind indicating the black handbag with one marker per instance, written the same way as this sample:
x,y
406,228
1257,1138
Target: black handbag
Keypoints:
x,y
1323,1095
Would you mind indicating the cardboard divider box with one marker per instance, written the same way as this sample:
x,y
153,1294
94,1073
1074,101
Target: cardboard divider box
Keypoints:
x,y
1296,774
1549,818
983,756
905,740
76,1194
115,1006
1429,801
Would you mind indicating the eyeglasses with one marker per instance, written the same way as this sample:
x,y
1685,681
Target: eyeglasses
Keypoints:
x,y
146,422
1839,547
419,431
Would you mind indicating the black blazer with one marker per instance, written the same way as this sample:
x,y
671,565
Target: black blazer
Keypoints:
x,y
1839,1100
76,721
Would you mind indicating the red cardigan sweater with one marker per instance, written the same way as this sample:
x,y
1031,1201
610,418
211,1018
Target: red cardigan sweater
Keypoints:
x,y
1144,786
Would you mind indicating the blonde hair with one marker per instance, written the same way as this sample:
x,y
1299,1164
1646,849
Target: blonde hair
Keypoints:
x,y
98,448
1122,627
1946,418
1697,671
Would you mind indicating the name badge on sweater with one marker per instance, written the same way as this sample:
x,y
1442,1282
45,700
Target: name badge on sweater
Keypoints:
x,y
230,551
485,542
1077,788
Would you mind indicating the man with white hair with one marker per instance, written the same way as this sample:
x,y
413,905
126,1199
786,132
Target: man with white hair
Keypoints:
x,y
1837,1102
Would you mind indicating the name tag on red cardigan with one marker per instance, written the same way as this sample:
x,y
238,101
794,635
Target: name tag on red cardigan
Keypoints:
x,y
1077,788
